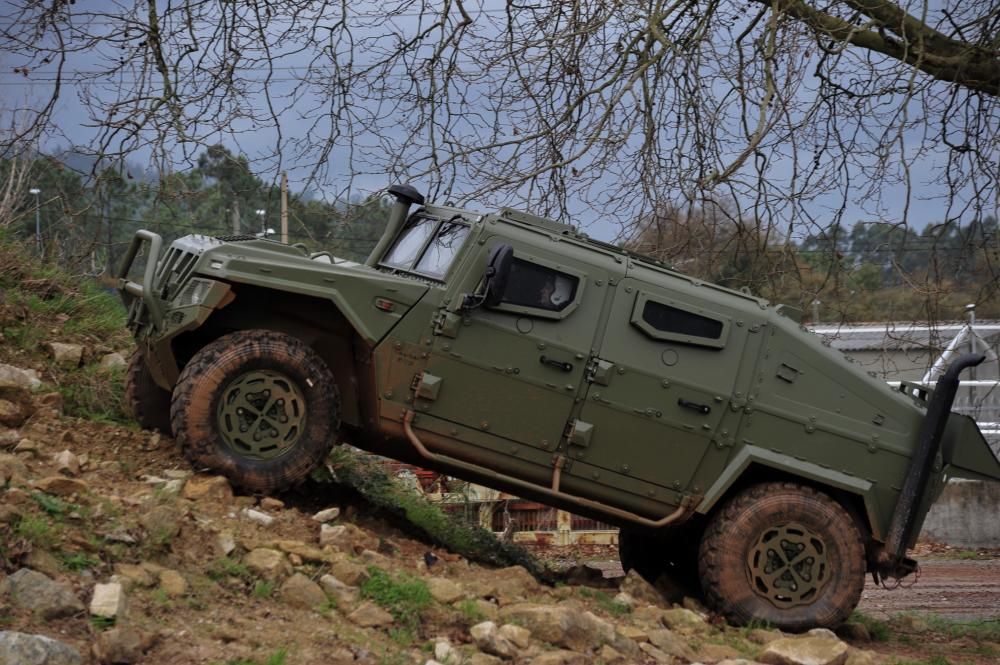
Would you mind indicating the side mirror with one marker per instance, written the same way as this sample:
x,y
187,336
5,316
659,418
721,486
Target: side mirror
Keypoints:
x,y
497,272
498,266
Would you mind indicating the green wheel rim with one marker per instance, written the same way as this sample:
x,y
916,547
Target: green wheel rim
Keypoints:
x,y
787,565
261,415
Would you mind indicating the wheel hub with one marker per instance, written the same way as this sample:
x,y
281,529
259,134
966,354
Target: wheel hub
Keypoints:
x,y
787,565
261,414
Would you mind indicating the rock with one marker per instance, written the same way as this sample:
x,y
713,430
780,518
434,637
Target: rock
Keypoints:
x,y
113,361
257,517
695,606
737,661
26,649
626,600
173,584
713,653
270,503
108,601
12,470
762,636
9,437
327,515
28,447
51,401
215,489
861,657
671,643
487,637
633,633
225,543
62,486
9,514
344,594
67,463
300,591
11,414
131,575
520,637
514,583
607,654
346,538
162,523
349,572
122,645
36,592
14,380
560,625
446,654
637,587
43,562
444,590
560,657
305,552
806,650
370,615
684,621
267,563
480,658
65,355
656,654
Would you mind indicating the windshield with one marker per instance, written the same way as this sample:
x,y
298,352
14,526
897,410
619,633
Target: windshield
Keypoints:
x,y
427,247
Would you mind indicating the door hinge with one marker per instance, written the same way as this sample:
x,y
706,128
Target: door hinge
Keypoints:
x,y
446,324
599,371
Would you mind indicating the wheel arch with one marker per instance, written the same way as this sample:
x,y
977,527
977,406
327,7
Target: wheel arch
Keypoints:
x,y
753,465
315,321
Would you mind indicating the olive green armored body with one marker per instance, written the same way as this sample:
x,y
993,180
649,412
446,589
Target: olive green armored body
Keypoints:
x,y
728,443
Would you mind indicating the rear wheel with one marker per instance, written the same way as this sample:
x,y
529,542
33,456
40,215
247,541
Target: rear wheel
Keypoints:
x,y
147,402
785,554
258,406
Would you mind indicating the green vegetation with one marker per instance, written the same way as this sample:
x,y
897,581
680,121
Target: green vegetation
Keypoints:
x,y
605,602
77,561
224,567
470,610
37,530
405,597
372,481
262,589
985,630
51,504
879,630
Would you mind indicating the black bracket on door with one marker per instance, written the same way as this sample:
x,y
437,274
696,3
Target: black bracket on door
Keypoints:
x,y
558,364
700,408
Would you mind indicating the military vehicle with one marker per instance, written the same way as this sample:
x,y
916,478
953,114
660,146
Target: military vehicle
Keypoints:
x,y
510,350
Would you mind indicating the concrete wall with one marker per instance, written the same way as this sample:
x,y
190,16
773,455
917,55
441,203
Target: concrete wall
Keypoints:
x,y
965,515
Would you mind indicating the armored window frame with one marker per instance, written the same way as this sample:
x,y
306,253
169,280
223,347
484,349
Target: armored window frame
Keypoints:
x,y
558,271
437,227
641,321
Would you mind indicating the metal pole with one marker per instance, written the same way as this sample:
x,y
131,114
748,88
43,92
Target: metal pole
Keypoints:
x,y
38,219
284,207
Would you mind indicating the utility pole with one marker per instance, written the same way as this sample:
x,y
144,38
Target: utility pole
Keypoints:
x,y
38,219
235,214
284,207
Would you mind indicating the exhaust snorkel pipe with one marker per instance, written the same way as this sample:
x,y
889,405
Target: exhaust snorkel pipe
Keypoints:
x,y
405,197
892,562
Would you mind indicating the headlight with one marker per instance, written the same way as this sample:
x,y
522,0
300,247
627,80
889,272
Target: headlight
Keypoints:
x,y
194,293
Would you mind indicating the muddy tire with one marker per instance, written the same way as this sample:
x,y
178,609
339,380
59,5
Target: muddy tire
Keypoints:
x,y
785,554
148,403
257,406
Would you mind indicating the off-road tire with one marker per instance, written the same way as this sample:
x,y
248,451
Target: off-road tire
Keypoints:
x,y
148,403
765,521
210,376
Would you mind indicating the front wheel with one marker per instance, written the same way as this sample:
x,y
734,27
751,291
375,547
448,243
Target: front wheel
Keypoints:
x,y
784,554
258,406
147,402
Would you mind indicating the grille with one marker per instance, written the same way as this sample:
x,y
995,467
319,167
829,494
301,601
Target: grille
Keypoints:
x,y
174,270
237,238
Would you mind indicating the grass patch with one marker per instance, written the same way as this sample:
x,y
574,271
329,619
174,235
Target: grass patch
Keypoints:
x,y
606,602
470,610
984,630
77,561
878,630
51,504
405,597
224,567
37,530
95,393
262,589
373,482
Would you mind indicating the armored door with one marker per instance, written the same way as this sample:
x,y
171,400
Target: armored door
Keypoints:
x,y
514,371
660,386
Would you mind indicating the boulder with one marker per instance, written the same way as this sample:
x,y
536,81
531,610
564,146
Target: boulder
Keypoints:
x,y
113,361
11,414
561,657
173,584
272,504
225,543
684,621
561,625
161,523
713,653
40,594
636,586
370,615
444,590
108,601
349,572
43,562
327,515
671,644
122,645
347,538
131,575
258,517
487,637
300,591
809,649
17,384
214,489
62,486
657,655
12,469
26,649
344,594
267,563
65,355
67,463
305,552
520,637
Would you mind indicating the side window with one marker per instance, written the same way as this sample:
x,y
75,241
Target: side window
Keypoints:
x,y
538,287
675,321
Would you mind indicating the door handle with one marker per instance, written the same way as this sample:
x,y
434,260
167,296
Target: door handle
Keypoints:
x,y
700,408
558,364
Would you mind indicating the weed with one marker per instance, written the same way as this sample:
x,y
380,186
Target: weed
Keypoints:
x,y
879,630
403,596
50,504
262,589
470,610
77,561
404,637
606,602
102,623
94,393
277,658
37,530
224,567
329,606
160,597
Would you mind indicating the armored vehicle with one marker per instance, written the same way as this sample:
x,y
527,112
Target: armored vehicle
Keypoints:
x,y
725,440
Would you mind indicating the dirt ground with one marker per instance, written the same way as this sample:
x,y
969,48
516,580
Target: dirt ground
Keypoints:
x,y
951,588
